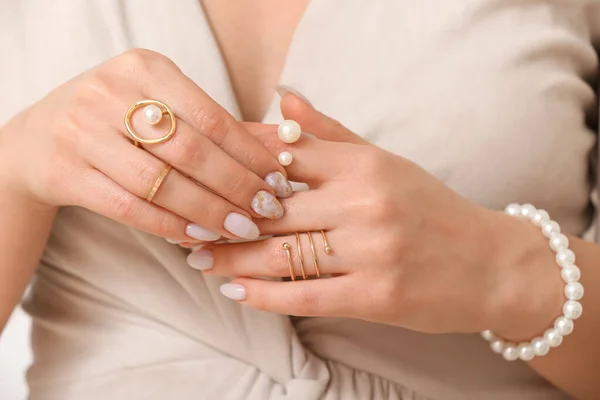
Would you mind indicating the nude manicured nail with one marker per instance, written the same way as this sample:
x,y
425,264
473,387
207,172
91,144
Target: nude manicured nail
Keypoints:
x,y
267,205
233,291
174,241
241,226
199,233
201,260
282,90
280,184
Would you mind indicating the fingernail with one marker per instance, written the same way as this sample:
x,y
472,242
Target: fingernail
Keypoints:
x,y
267,205
233,291
199,233
174,241
201,260
280,184
241,226
282,90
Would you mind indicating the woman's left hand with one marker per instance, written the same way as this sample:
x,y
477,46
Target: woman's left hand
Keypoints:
x,y
407,250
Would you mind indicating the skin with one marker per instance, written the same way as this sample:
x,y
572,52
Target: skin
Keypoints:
x,y
517,294
410,252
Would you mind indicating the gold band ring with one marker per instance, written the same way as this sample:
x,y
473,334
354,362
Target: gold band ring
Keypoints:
x,y
314,254
150,105
158,183
300,255
288,250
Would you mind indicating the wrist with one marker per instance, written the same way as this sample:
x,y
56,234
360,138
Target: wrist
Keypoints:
x,y
527,291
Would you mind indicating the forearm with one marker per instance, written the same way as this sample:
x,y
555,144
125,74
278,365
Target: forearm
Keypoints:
x,y
573,366
24,229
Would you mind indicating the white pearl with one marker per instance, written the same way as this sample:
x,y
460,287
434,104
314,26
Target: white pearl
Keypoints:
x,y
526,352
285,158
497,346
289,131
540,346
565,257
563,325
488,335
553,338
539,217
528,211
558,241
570,273
574,291
510,352
550,227
514,210
572,309
152,114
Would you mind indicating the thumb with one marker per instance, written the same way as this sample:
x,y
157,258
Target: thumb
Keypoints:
x,y
297,107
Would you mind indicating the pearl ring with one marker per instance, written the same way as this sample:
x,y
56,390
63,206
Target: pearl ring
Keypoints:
x,y
152,114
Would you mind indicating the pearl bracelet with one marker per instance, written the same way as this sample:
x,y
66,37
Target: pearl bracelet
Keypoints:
x,y
570,273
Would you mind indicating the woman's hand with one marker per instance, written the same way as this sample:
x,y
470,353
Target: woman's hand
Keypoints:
x,y
71,149
407,250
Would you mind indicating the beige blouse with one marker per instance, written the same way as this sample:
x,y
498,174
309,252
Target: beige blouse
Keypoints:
x,y
494,97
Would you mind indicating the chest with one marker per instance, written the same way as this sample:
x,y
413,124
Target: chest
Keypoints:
x,y
254,37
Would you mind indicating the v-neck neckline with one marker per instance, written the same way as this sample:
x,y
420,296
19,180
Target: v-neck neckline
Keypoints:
x,y
211,39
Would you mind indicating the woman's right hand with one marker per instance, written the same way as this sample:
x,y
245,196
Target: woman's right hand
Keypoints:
x,y
71,148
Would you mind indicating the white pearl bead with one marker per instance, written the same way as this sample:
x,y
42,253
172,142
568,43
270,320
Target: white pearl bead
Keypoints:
x,y
558,241
565,257
497,346
553,338
513,210
510,352
289,131
527,211
563,325
572,309
526,352
152,114
570,273
540,346
574,291
550,227
285,158
488,335
539,217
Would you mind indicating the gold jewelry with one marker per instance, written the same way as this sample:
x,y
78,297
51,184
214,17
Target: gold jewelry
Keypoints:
x,y
328,248
153,112
314,254
300,255
288,250
158,183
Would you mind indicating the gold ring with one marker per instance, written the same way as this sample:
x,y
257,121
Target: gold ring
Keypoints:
x,y
288,250
158,183
328,248
300,255
314,254
137,139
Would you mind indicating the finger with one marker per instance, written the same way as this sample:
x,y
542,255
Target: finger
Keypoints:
x,y
313,121
314,160
138,172
269,258
317,298
100,194
198,157
305,211
199,110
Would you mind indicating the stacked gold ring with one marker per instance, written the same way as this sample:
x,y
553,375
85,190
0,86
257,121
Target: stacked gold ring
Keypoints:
x,y
288,249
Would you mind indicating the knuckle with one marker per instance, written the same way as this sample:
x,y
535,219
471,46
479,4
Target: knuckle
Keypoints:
x,y
124,206
273,144
188,150
138,61
165,224
236,186
214,125
303,303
